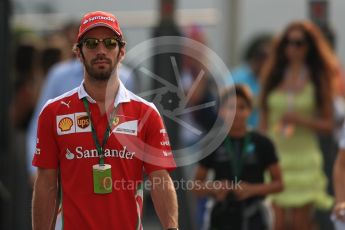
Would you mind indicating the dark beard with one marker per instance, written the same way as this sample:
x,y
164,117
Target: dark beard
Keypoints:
x,y
99,75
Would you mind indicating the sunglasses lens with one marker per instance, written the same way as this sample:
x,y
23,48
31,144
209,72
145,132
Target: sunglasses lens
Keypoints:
x,y
91,43
110,43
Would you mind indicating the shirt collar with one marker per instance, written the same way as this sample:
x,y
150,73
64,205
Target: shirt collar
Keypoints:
x,y
121,97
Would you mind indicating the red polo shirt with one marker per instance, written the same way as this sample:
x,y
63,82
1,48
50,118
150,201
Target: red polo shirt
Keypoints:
x,y
138,142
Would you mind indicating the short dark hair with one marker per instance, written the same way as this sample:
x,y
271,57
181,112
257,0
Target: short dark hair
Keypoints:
x,y
237,90
254,48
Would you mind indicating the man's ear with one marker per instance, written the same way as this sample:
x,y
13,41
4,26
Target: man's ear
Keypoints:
x,y
77,52
122,54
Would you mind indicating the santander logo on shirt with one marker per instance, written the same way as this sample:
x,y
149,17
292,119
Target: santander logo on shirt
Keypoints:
x,y
81,153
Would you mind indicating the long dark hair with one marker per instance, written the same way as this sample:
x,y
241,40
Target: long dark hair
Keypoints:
x,y
320,61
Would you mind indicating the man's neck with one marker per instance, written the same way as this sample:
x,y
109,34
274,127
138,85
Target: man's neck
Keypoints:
x,y
103,92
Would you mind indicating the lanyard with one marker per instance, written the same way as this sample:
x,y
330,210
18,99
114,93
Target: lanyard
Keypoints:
x,y
100,148
237,155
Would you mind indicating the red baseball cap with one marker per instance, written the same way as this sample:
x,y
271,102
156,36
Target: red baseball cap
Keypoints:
x,y
99,18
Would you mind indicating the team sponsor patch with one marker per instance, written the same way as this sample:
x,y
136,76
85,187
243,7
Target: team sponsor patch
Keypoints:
x,y
83,122
66,103
65,124
128,127
165,143
73,123
98,17
115,121
82,153
165,140
69,155
38,151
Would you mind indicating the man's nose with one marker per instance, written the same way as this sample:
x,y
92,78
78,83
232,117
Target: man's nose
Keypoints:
x,y
101,49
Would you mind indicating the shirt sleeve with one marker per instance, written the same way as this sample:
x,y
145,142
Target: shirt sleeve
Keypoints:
x,y
46,154
267,152
49,91
157,152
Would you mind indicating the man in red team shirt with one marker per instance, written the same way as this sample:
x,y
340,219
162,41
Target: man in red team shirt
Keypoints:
x,y
96,141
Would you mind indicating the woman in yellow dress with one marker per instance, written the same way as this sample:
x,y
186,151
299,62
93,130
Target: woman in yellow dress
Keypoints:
x,y
296,105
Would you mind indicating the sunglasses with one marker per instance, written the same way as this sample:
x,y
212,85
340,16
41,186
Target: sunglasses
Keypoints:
x,y
296,42
92,43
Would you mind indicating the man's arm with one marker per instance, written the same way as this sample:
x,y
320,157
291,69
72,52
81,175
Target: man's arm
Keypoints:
x,y
203,188
164,198
339,184
338,177
45,200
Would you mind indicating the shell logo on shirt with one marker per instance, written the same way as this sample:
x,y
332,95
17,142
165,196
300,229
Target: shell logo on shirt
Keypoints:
x,y
65,124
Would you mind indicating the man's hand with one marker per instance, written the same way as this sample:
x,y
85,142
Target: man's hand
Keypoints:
x,y
245,191
164,198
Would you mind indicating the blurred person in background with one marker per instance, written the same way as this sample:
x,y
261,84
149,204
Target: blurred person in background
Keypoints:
x,y
26,85
69,31
198,84
30,61
242,158
248,73
55,83
339,183
297,105
49,57
329,142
